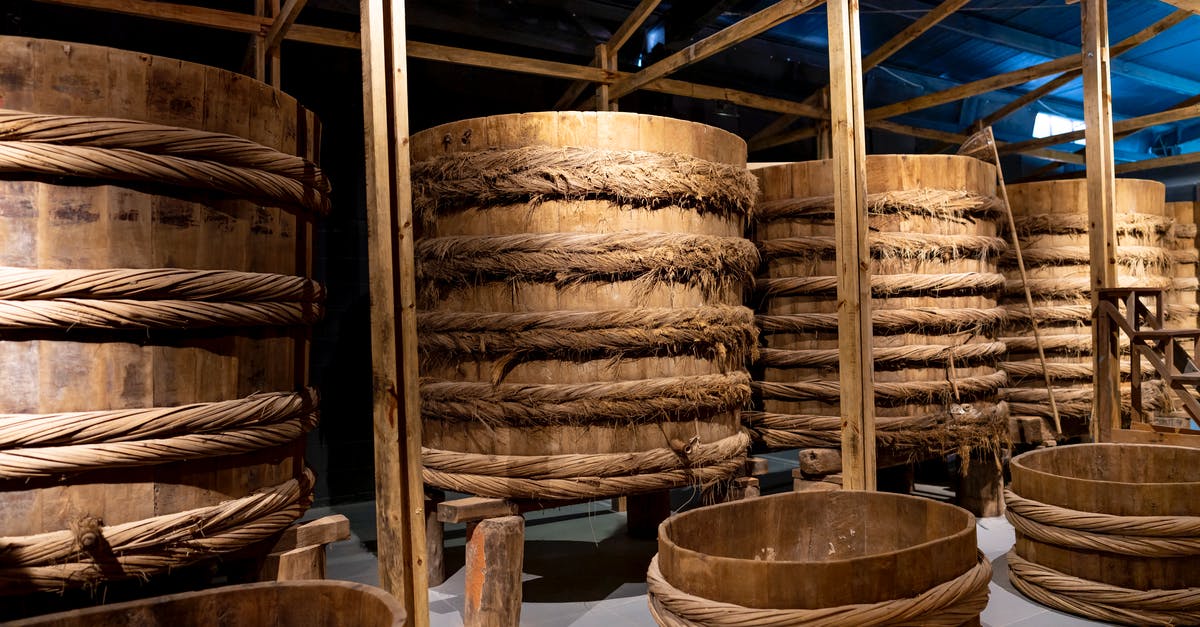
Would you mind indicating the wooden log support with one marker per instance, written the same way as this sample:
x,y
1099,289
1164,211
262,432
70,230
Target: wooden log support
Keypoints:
x,y
800,483
645,512
854,281
435,538
756,466
474,508
743,488
818,462
495,556
1101,181
399,489
980,488
300,551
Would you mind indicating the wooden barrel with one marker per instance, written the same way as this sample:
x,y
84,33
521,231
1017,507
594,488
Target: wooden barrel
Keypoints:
x,y
1117,519
805,555
154,303
1183,309
934,255
1051,219
580,288
313,603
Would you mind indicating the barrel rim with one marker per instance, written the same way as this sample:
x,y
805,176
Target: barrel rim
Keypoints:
x,y
1019,464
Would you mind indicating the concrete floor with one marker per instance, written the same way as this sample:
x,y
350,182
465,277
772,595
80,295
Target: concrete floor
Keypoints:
x,y
582,570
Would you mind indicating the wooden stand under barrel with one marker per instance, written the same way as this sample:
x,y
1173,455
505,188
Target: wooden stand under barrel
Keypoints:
x,y
581,325
155,219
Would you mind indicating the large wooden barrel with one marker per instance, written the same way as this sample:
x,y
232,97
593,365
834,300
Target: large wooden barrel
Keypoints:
x,y
847,557
580,288
934,284
1109,531
1183,309
1051,219
154,302
310,603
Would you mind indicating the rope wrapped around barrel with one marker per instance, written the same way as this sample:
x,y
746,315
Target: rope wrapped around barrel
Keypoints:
x,y
162,298
111,149
1076,402
50,445
1138,225
1138,536
943,204
91,552
533,174
954,602
964,389
891,245
893,321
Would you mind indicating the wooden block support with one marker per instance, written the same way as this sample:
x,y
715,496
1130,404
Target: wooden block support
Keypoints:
x,y
319,532
474,508
435,542
818,462
981,488
756,466
1034,430
495,556
645,513
300,551
743,488
801,484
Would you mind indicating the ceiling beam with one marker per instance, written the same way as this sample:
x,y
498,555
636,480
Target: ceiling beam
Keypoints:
x,y
762,21
611,49
282,22
1159,162
1125,126
1192,6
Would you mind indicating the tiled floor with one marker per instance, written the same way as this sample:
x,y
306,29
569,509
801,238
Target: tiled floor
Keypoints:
x,y
582,570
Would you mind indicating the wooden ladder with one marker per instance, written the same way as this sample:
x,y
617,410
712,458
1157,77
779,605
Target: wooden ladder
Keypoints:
x,y
1125,310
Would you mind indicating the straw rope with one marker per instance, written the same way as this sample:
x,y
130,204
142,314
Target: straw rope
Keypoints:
x,y
1018,370
535,173
964,388
1078,287
157,139
1185,230
935,203
891,245
162,314
621,474
978,423
723,333
1137,224
121,425
1185,284
51,561
1076,401
50,461
566,258
954,602
1018,315
631,402
1139,536
891,285
1186,256
892,321
122,164
572,466
1155,257
139,284
1102,601
912,355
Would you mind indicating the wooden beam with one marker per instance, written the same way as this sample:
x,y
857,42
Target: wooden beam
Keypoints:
x,y
1048,88
855,356
1125,126
1192,6
783,138
1101,188
1160,162
505,62
760,22
705,92
958,138
399,490
282,21
643,10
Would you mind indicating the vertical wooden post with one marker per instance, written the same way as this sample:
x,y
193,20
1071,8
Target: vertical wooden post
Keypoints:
x,y
602,103
1097,112
275,79
495,555
853,255
399,497
824,136
260,44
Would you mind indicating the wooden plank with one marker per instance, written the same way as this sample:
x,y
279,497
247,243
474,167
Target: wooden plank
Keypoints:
x,y
958,138
1192,6
260,45
273,53
462,56
760,22
1101,181
399,494
495,555
322,531
756,466
613,46
756,101
282,21
1122,126
1158,162
305,562
855,359
474,508
435,539
783,138
603,91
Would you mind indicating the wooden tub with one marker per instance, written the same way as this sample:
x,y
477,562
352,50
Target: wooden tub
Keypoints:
x,y
1120,518
812,554
283,603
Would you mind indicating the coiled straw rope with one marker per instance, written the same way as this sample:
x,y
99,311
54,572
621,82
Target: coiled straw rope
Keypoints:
x,y
892,321
1141,536
50,561
977,424
888,245
935,203
967,389
75,146
891,285
912,355
952,603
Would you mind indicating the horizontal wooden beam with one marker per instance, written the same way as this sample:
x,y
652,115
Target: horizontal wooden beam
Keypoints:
x,y
958,138
782,138
509,63
636,18
1122,126
1191,6
282,22
1159,162
760,22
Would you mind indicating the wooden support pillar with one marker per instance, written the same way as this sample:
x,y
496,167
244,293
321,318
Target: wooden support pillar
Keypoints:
x,y
300,551
602,90
645,512
399,491
850,220
495,556
980,487
1097,112
435,538
274,52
